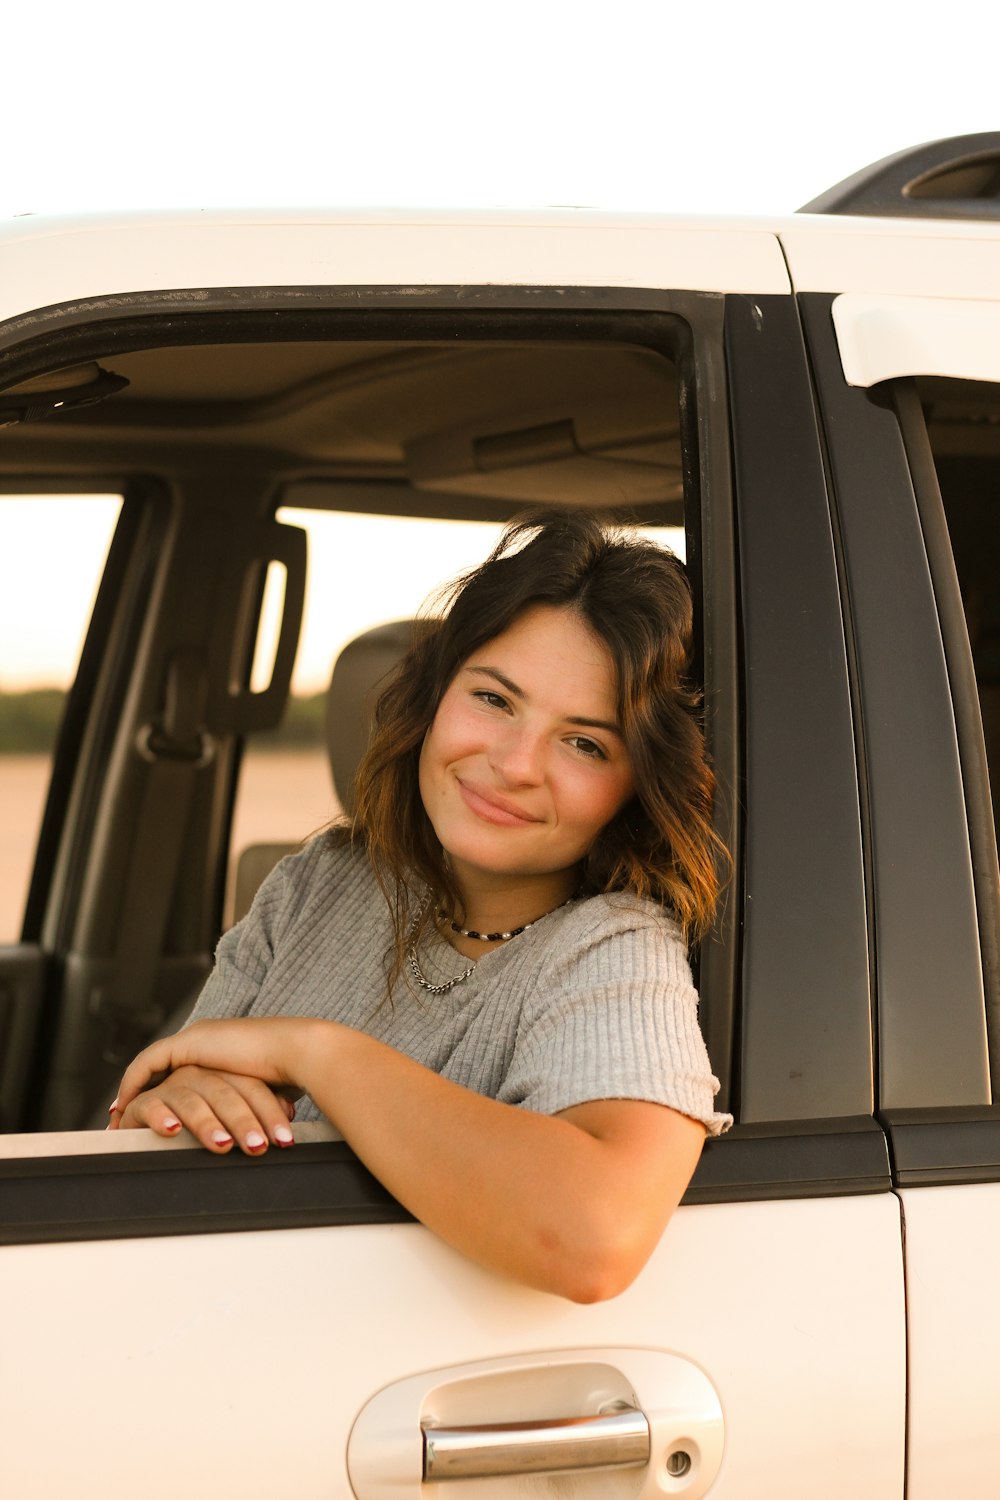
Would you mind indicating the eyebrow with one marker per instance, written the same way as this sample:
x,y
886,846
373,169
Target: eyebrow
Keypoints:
x,y
517,692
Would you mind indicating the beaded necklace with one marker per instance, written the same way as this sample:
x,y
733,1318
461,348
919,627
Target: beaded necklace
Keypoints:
x,y
466,932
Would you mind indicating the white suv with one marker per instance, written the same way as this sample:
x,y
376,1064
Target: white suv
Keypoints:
x,y
816,400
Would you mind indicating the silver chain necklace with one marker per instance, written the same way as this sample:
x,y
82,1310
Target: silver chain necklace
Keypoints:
x,y
434,989
414,963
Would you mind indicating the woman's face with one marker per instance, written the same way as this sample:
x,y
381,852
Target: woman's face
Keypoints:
x,y
524,763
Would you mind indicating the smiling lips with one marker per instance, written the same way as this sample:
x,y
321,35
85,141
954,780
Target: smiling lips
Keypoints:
x,y
493,809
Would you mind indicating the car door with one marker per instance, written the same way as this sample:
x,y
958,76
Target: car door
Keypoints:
x,y
215,1324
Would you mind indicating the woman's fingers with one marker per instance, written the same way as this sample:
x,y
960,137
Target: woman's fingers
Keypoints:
x,y
262,1105
262,1047
219,1109
151,1111
142,1070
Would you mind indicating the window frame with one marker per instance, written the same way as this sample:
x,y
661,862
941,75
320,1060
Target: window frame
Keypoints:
x,y
673,323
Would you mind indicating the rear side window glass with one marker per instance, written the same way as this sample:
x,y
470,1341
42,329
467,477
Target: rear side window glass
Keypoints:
x,y
963,428
955,424
52,554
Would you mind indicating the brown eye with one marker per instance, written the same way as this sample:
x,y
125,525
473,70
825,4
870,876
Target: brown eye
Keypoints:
x,y
587,748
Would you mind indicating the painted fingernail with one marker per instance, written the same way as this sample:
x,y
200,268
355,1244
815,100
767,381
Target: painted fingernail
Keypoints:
x,y
112,1107
254,1140
220,1138
169,1123
283,1135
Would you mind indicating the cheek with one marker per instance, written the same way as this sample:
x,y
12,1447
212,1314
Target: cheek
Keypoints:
x,y
596,801
435,751
617,795
441,745
454,733
430,778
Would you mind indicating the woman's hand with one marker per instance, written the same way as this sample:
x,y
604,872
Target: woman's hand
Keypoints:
x,y
218,1108
220,1082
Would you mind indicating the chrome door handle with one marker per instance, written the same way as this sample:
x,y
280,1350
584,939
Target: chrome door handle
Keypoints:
x,y
619,1440
643,1422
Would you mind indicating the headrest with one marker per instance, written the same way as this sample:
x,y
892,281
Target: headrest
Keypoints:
x,y
358,676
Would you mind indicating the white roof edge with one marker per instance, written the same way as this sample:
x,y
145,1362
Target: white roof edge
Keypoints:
x,y
824,225
543,217
48,263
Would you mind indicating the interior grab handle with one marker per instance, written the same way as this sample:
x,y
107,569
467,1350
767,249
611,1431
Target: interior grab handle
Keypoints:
x,y
618,1440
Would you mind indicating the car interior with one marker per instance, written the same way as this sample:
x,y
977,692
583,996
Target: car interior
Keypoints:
x,y
208,426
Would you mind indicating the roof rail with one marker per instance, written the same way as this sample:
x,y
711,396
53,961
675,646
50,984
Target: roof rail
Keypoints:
x,y
954,178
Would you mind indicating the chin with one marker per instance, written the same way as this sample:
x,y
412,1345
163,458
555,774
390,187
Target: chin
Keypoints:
x,y
489,861
509,863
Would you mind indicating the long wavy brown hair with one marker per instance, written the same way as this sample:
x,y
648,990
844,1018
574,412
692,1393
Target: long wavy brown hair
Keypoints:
x,y
634,595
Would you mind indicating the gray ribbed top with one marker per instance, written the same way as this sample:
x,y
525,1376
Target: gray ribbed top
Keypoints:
x,y
594,1001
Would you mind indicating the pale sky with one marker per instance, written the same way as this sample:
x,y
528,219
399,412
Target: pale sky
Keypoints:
x,y
684,108
52,552
731,106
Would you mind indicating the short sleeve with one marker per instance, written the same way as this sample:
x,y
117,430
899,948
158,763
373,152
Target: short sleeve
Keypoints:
x,y
244,954
616,1019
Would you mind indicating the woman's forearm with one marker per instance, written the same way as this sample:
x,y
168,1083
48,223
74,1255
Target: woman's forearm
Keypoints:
x,y
571,1204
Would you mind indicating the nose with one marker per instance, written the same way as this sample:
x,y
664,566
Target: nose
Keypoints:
x,y
517,757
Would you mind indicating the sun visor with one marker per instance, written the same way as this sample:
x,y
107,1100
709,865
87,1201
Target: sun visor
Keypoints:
x,y
538,464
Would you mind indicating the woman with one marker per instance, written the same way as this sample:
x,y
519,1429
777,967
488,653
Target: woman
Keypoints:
x,y
483,982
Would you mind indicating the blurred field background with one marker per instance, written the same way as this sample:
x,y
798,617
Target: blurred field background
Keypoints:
x,y
46,598
285,790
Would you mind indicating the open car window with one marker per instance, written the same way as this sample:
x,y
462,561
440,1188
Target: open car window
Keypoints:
x,y
320,466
